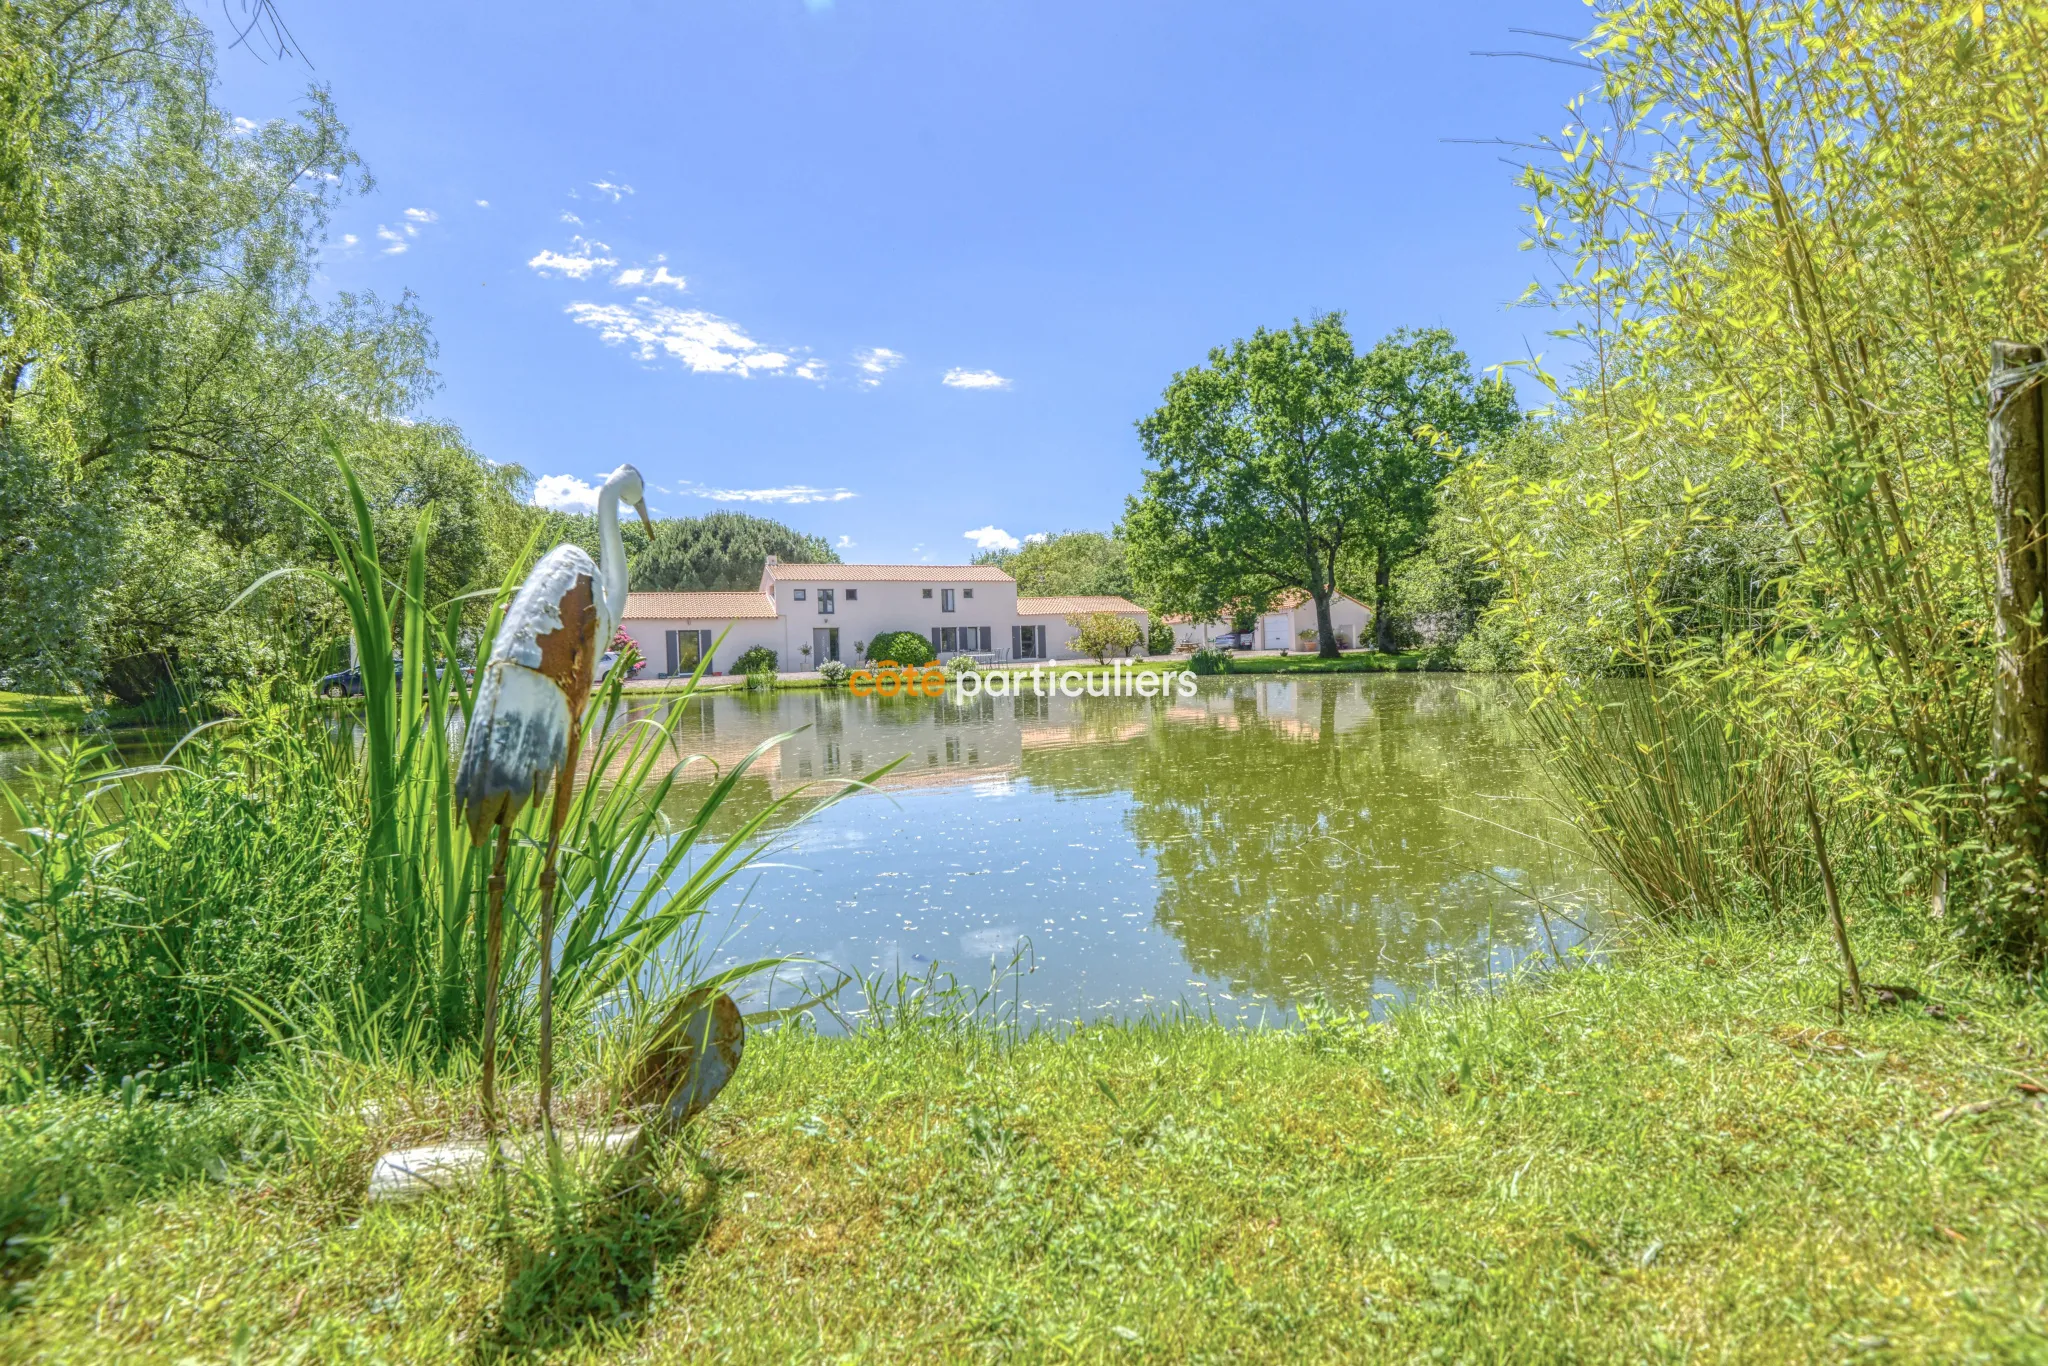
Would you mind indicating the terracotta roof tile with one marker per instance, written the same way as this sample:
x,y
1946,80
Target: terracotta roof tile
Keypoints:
x,y
699,606
1059,607
883,573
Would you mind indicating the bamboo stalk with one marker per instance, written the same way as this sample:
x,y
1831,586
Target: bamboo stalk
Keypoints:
x,y
1827,882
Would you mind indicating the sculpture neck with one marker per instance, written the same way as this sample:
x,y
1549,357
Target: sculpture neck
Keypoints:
x,y
611,567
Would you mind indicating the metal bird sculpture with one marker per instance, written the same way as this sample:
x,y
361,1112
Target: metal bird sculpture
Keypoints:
x,y
527,731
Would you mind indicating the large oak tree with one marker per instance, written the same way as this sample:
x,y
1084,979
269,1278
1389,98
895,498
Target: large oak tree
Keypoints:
x,y
1290,457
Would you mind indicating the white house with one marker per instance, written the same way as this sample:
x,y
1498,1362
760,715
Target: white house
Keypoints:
x,y
809,613
1288,624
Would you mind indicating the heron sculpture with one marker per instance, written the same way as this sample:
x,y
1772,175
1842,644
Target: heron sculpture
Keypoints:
x,y
527,731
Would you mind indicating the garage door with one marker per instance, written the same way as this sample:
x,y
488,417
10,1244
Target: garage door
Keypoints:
x,y
1278,629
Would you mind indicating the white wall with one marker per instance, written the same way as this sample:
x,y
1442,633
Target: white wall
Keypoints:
x,y
649,634
886,606
1058,633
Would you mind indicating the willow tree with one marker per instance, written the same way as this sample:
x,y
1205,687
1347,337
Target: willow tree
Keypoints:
x,y
1289,459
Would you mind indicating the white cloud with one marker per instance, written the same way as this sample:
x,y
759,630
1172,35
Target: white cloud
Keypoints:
x,y
991,538
640,275
565,493
483,203
606,187
957,378
844,543
703,342
568,217
876,361
244,126
422,215
394,237
349,239
791,493
1038,538
581,259
812,368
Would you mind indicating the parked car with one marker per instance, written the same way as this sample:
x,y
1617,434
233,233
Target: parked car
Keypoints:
x,y
346,683
604,664
349,682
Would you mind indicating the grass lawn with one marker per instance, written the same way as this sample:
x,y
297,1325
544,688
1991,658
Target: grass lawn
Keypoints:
x,y
1354,662
1680,1156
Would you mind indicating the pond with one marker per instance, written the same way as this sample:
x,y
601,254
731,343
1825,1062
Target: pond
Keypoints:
x,y
1262,843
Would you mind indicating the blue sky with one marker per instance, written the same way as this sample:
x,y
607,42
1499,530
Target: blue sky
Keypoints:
x,y
903,273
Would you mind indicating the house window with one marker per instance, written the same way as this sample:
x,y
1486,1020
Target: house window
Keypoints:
x,y
853,595
945,599
967,592
825,603
798,595
927,592
949,640
685,648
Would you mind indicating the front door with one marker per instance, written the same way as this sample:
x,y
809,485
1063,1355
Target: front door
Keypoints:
x,y
824,643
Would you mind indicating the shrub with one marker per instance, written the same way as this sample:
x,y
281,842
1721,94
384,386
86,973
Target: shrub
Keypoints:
x,y
629,653
760,680
759,659
962,664
1102,634
905,647
1209,660
1159,638
834,673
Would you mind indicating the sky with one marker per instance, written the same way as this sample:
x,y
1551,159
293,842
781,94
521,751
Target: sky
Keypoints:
x,y
905,273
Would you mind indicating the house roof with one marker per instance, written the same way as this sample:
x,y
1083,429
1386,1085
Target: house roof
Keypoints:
x,y
1295,597
883,573
1059,607
1283,602
699,606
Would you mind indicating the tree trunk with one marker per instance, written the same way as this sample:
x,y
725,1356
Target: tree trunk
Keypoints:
x,y
2019,720
1382,599
1320,587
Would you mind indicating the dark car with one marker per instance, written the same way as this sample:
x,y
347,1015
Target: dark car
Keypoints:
x,y
349,682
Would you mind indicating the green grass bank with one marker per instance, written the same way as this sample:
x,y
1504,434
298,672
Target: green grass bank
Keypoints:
x,y
1680,1155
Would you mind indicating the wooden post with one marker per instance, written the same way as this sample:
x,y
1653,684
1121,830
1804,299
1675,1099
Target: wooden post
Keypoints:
x,y
2019,503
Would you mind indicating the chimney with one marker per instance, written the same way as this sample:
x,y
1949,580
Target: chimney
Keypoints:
x,y
774,560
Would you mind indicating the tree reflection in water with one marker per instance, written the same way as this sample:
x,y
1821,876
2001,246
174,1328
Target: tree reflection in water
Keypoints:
x,y
1334,836
1285,838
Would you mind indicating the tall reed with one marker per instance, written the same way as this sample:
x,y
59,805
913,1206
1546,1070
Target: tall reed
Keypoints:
x,y
342,829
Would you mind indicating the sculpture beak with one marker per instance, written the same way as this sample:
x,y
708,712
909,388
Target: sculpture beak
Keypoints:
x,y
641,508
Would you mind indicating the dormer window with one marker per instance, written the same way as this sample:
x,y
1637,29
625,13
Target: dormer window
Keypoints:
x,y
798,595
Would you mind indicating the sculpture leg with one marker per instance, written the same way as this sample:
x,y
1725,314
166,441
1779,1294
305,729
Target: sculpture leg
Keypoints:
x,y
564,788
494,944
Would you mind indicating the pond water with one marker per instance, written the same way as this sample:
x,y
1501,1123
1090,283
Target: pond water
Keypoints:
x,y
1262,843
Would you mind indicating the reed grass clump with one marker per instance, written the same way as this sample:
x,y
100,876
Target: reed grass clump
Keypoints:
x,y
290,861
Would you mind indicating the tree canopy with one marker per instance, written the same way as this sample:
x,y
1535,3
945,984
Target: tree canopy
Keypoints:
x,y
1289,457
164,370
720,551
1068,564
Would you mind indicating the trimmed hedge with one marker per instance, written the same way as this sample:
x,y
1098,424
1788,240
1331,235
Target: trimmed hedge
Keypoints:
x,y
905,647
